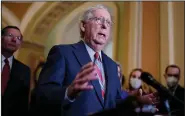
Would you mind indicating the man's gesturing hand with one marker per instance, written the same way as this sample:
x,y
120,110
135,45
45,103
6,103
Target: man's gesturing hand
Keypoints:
x,y
81,81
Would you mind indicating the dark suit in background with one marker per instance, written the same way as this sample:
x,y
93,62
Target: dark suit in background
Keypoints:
x,y
172,76
15,98
15,79
174,107
179,93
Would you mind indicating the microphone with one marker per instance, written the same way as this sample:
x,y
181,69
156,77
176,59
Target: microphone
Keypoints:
x,y
163,91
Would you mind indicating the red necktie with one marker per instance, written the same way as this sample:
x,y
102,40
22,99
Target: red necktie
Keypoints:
x,y
5,76
97,59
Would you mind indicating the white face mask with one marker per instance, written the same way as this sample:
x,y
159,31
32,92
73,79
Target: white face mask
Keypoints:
x,y
135,82
172,81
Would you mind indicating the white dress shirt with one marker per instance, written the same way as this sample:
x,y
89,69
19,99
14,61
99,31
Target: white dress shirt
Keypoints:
x,y
10,60
91,53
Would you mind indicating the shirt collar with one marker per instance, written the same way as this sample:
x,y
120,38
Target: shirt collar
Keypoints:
x,y
173,89
92,52
10,59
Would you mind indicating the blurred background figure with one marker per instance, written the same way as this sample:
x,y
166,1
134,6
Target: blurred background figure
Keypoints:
x,y
146,100
36,77
135,82
120,74
124,93
15,75
172,76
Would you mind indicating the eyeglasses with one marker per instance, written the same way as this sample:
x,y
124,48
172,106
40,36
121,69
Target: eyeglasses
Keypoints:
x,y
11,36
101,20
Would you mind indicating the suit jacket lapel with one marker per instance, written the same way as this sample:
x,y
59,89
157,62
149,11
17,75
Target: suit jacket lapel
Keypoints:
x,y
107,70
81,53
16,73
14,69
84,58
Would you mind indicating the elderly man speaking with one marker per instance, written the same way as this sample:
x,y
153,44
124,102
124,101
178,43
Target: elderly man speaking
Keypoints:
x,y
79,78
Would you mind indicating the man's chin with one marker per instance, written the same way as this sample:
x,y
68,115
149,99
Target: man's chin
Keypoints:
x,y
11,50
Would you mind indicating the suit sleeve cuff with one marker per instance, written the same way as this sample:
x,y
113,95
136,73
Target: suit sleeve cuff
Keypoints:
x,y
67,98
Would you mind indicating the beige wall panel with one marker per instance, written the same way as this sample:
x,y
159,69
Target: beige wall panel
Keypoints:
x,y
151,36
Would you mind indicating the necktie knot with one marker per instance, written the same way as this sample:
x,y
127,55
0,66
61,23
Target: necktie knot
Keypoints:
x,y
97,56
6,61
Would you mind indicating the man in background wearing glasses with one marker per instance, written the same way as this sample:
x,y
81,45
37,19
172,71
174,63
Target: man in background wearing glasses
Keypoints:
x,y
15,76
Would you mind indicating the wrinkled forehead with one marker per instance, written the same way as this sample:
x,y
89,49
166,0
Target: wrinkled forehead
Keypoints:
x,y
13,31
102,13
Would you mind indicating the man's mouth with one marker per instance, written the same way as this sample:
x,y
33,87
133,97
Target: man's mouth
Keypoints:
x,y
102,34
12,45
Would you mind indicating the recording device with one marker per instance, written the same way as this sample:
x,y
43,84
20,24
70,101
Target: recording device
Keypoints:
x,y
163,91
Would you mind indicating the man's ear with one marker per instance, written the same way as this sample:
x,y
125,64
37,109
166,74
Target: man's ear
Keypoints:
x,y
82,26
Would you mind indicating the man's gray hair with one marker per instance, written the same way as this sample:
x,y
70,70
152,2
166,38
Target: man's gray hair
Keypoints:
x,y
89,14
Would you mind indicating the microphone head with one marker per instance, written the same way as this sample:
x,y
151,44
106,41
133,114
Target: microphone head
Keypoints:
x,y
147,78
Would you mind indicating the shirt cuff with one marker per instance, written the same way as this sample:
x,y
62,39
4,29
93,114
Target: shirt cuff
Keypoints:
x,y
67,98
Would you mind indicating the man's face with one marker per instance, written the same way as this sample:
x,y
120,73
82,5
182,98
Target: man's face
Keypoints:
x,y
172,72
97,29
11,40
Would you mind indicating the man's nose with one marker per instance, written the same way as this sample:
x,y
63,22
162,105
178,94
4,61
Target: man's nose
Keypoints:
x,y
104,25
14,39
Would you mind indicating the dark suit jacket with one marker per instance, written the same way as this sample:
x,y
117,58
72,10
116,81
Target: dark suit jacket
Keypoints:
x,y
179,93
15,99
175,108
63,64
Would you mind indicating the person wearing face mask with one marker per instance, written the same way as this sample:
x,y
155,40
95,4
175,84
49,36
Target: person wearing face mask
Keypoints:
x,y
135,88
172,76
135,83
146,100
